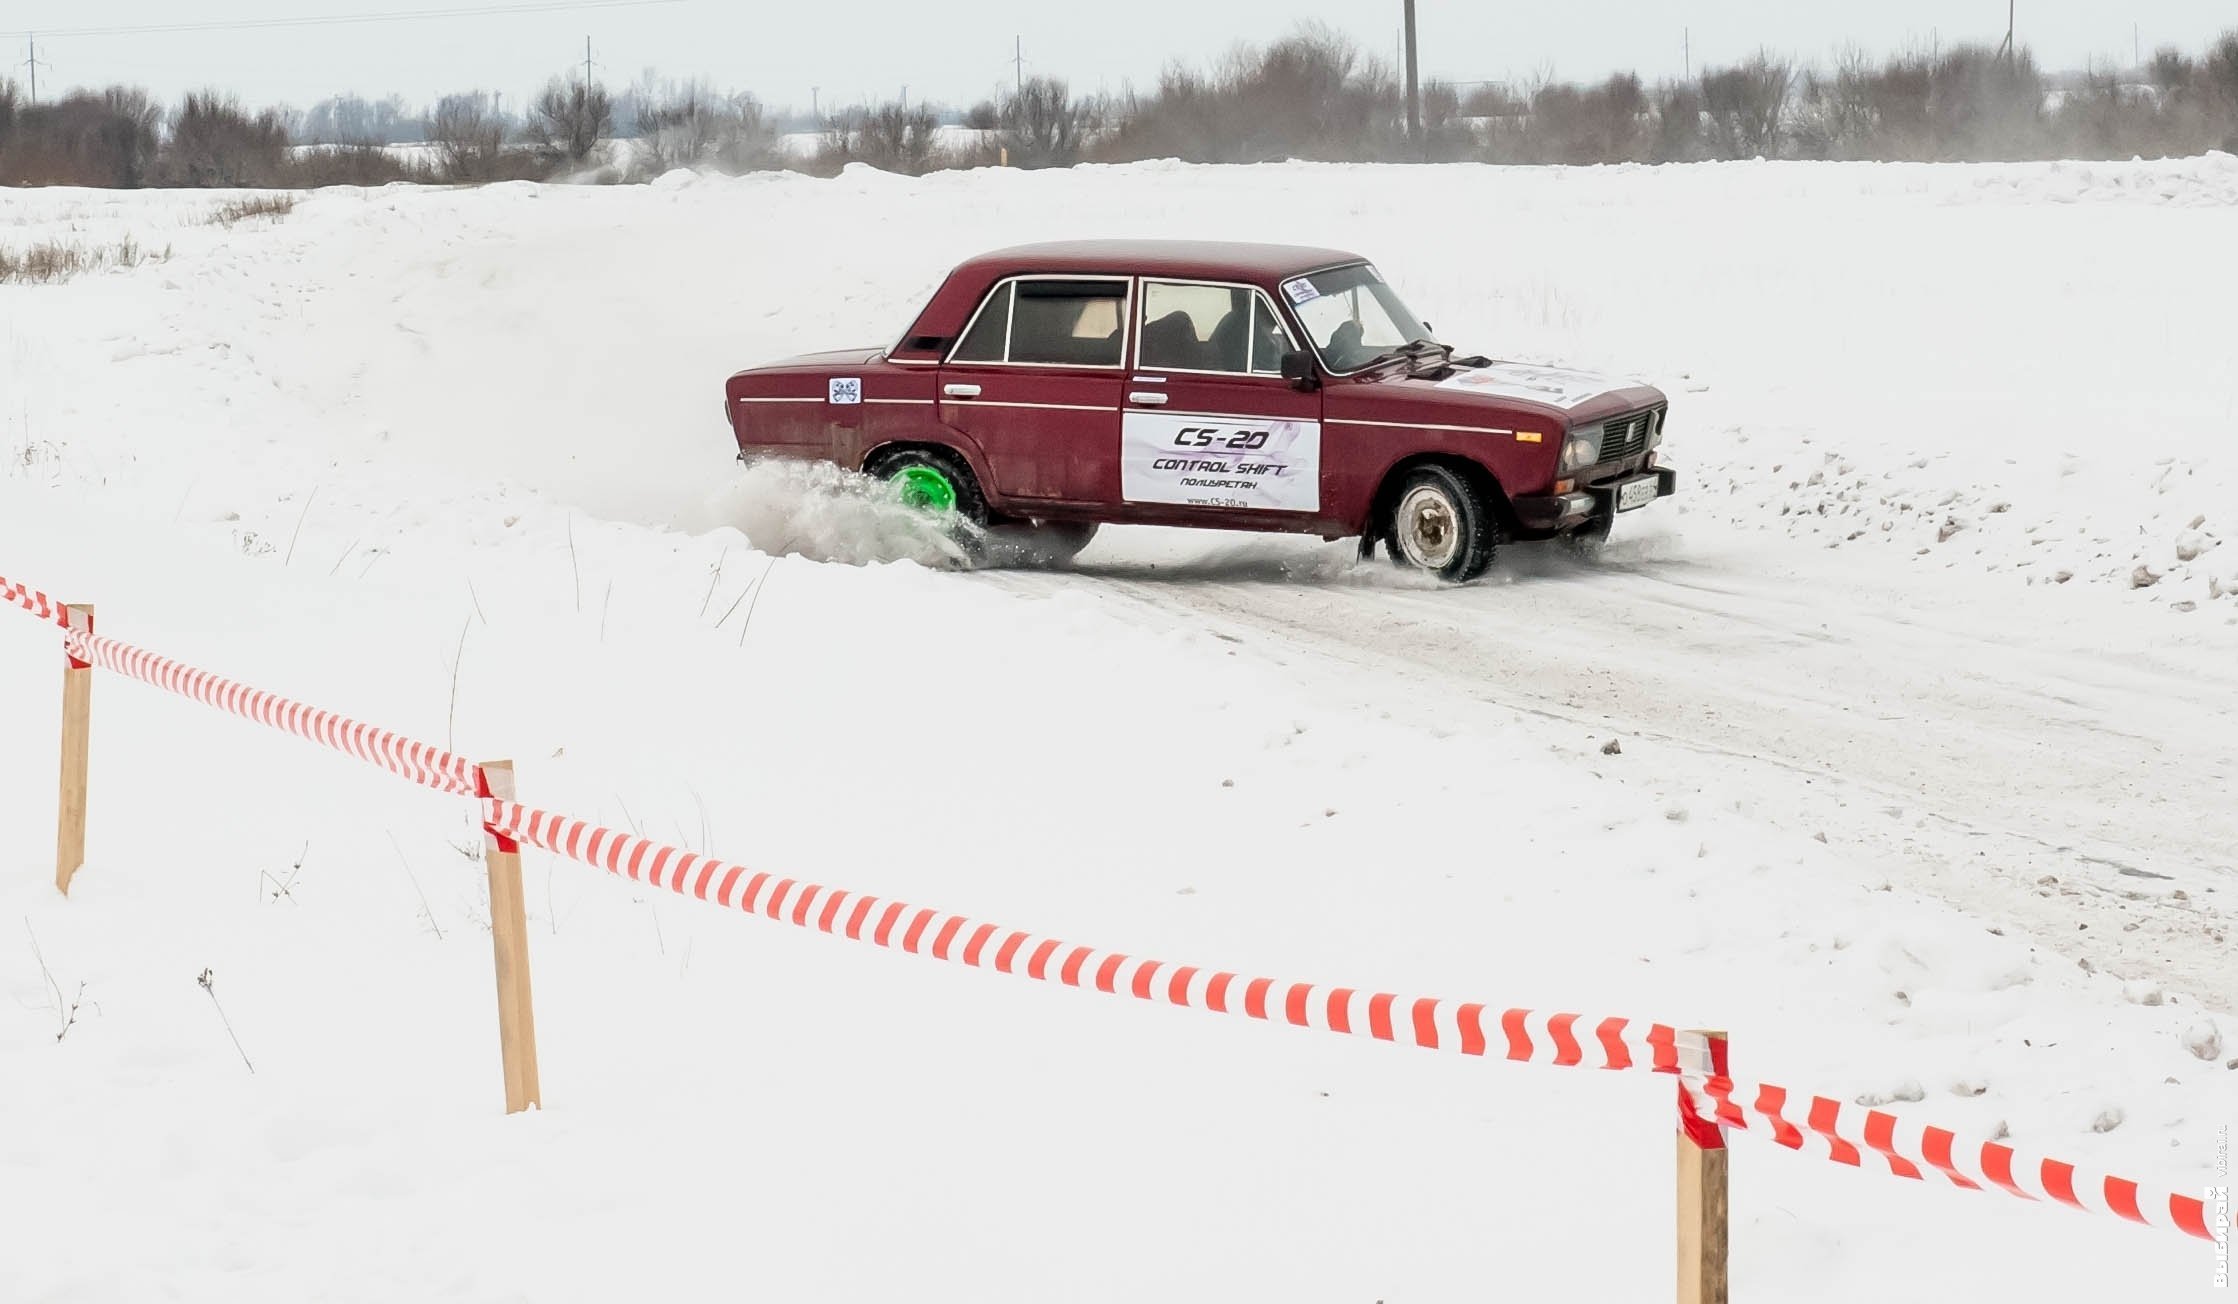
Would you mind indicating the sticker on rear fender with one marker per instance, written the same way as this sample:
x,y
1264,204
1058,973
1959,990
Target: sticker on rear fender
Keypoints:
x,y
1233,462
846,389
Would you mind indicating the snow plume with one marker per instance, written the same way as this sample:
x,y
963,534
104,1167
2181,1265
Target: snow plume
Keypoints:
x,y
823,513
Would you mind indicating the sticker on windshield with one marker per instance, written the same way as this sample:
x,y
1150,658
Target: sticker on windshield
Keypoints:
x,y
1234,462
1553,386
848,389
1300,290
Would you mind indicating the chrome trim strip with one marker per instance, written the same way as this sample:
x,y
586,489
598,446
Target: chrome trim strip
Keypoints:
x,y
1416,425
784,400
898,400
1241,418
1046,407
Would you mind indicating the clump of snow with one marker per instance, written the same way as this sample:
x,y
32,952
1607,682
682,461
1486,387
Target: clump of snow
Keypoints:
x,y
2204,1040
1907,1091
2143,993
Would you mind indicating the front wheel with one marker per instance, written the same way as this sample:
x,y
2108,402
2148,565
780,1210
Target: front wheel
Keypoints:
x,y
1441,523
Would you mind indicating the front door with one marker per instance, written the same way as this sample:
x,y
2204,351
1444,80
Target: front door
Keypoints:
x,y
1035,381
1209,424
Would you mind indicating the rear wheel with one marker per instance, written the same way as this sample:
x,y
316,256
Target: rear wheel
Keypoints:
x,y
940,484
1441,523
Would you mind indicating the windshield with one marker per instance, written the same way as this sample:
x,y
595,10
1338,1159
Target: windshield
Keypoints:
x,y
1351,315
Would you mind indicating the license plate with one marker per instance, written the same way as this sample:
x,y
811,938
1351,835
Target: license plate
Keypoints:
x,y
1635,493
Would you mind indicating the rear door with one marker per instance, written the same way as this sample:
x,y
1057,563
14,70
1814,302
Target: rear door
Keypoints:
x,y
1035,381
1209,425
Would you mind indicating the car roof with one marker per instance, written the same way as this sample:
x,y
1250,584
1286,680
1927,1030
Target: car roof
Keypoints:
x,y
1204,260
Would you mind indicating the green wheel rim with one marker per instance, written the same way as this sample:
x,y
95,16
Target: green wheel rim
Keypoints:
x,y
926,488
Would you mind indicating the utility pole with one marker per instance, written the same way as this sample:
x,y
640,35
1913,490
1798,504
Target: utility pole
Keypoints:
x,y
1414,90
815,109
586,67
33,63
1686,37
1018,62
2007,50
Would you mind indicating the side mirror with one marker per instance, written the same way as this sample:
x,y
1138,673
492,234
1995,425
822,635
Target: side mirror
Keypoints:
x,y
1297,368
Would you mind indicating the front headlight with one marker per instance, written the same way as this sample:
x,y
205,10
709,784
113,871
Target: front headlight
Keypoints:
x,y
1582,449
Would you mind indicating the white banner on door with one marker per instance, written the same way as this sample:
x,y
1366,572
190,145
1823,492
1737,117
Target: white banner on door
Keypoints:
x,y
1225,461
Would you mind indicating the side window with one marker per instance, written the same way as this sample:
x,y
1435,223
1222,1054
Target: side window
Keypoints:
x,y
1195,327
984,342
1268,340
1069,323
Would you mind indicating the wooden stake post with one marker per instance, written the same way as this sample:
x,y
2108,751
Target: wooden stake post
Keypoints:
x,y
77,737
1702,1195
516,1019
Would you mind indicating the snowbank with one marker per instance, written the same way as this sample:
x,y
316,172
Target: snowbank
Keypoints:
x,y
451,461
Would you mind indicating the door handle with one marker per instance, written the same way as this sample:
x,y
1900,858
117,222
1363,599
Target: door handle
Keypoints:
x,y
1147,398
960,391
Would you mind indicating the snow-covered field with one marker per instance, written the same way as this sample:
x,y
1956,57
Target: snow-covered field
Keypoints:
x,y
1924,689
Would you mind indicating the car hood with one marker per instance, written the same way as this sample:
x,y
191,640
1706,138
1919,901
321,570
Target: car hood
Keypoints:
x,y
829,358
1506,389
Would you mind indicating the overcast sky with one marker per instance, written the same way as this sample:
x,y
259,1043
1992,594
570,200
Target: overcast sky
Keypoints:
x,y
957,51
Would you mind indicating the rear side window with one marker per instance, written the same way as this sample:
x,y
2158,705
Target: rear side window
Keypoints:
x,y
1049,323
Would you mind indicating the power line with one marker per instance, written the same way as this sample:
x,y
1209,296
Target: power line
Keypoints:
x,y
331,20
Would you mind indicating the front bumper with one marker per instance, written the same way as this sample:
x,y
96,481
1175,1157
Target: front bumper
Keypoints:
x,y
1561,513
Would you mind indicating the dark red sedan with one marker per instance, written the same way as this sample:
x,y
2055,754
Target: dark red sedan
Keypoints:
x,y
1046,389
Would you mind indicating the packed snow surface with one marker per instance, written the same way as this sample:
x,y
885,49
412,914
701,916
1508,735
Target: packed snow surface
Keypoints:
x,y
1923,692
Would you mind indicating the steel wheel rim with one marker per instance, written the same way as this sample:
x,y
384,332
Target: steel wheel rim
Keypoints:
x,y
925,488
1427,527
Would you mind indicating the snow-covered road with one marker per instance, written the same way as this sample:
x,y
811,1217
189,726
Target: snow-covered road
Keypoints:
x,y
2061,771
1923,690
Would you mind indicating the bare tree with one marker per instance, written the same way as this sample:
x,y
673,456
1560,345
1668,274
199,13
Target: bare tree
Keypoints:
x,y
1042,126
569,117
1744,105
214,142
468,136
890,137
691,125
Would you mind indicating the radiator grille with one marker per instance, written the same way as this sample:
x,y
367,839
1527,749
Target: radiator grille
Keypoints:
x,y
1626,436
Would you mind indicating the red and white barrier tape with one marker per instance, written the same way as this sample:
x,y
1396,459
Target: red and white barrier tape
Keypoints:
x,y
423,763
33,601
1428,1022
1846,1133
1707,1097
